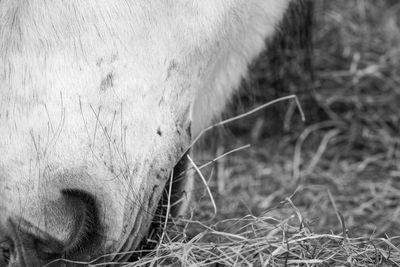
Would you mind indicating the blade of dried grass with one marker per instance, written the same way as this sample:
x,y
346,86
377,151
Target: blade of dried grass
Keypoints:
x,y
205,183
246,114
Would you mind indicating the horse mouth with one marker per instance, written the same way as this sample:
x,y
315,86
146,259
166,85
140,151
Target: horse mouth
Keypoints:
x,y
174,196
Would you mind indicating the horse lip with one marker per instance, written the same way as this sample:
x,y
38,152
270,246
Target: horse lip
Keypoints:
x,y
24,235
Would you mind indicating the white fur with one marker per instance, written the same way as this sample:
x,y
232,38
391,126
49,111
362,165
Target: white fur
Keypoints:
x,y
171,63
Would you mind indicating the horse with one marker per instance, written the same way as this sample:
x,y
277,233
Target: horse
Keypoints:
x,y
99,100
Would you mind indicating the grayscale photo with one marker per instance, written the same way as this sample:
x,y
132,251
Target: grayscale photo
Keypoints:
x,y
199,133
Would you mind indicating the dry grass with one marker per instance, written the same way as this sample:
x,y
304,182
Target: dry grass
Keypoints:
x,y
325,194
267,241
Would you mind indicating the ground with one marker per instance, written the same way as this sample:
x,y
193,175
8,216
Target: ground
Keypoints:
x,y
321,193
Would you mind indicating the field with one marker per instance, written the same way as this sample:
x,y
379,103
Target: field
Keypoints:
x,y
321,193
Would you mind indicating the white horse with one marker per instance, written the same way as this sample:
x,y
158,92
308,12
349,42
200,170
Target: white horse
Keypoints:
x,y
98,101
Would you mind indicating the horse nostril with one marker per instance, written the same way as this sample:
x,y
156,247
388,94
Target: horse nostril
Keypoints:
x,y
71,231
85,238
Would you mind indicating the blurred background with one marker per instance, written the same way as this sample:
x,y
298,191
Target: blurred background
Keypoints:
x,y
341,58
